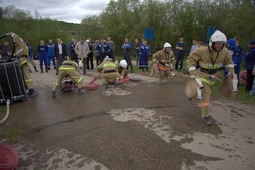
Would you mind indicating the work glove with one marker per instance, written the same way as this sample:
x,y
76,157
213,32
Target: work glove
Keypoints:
x,y
167,65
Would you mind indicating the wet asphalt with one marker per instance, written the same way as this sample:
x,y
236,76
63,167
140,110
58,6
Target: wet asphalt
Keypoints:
x,y
137,126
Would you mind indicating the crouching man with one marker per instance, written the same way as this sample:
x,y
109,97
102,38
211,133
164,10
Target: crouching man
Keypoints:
x,y
108,72
70,68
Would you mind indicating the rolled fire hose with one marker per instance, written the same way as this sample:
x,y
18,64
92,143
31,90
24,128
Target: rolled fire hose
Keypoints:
x,y
7,112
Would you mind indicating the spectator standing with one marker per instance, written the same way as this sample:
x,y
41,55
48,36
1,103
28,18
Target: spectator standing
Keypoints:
x,y
237,54
82,50
249,62
60,53
71,50
102,49
111,44
194,46
137,51
31,56
145,52
42,53
90,56
252,92
51,54
180,54
199,44
126,46
94,49
5,50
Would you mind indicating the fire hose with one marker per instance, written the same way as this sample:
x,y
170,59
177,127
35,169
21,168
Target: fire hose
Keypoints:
x,y
7,112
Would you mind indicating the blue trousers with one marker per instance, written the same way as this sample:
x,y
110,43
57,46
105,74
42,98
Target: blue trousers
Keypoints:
x,y
43,58
49,59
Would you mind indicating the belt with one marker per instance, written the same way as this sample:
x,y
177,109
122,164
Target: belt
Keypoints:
x,y
110,71
66,64
19,57
209,71
163,63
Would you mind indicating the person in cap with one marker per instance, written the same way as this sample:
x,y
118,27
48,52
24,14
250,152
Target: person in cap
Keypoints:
x,y
90,64
71,68
108,72
22,53
163,59
249,63
210,59
82,50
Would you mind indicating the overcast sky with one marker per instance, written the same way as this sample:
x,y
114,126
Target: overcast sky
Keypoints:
x,y
72,11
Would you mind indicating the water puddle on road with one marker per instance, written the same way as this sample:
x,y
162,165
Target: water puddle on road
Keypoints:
x,y
235,146
54,158
115,92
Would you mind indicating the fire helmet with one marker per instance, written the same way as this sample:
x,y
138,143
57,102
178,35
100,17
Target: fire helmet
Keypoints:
x,y
107,58
123,63
167,45
219,37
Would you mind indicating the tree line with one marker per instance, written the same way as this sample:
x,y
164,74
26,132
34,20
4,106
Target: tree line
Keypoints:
x,y
169,20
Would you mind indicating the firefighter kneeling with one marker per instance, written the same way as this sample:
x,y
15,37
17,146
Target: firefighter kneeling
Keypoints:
x,y
108,72
70,68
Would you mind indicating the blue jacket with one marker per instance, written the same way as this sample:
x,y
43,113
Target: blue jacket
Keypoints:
x,y
250,58
51,49
126,46
30,50
181,44
144,51
237,55
107,48
71,47
42,50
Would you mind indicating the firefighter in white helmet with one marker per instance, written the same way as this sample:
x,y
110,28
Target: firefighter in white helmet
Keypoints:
x,y
108,72
163,59
210,59
122,69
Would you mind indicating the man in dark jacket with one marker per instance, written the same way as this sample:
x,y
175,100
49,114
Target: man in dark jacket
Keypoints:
x,y
71,50
249,63
90,55
60,53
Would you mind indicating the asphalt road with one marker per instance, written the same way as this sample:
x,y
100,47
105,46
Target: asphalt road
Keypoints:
x,y
140,126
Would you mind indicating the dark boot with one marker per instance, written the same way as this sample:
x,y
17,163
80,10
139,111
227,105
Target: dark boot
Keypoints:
x,y
35,69
46,69
32,93
131,69
53,94
41,67
81,91
208,120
